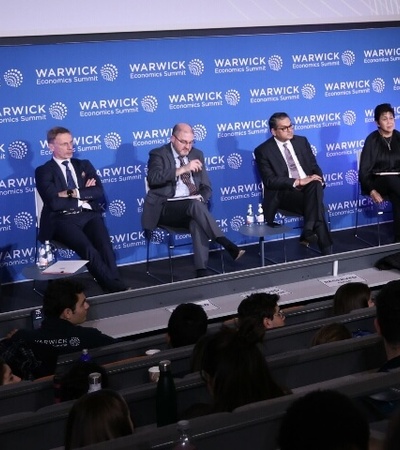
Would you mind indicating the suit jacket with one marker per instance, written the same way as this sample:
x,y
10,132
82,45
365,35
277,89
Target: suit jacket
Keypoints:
x,y
50,180
274,172
162,180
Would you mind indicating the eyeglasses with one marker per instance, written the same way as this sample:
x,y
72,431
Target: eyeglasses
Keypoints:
x,y
189,144
281,314
288,128
64,144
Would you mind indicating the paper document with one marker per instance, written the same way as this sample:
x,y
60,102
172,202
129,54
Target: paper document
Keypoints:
x,y
65,267
189,197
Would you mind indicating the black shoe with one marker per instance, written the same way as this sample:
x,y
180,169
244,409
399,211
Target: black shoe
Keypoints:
x,y
200,273
308,237
274,224
326,250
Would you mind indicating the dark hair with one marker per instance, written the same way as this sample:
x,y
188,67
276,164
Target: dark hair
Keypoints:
x,y
273,120
330,333
236,370
53,132
187,323
97,417
258,306
351,296
75,382
59,295
381,109
325,420
388,311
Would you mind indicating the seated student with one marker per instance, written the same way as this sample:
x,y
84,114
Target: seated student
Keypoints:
x,y
65,308
97,417
6,375
351,296
383,404
325,420
235,371
187,323
262,309
330,333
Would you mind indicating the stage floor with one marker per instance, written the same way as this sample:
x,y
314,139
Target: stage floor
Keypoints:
x,y
15,296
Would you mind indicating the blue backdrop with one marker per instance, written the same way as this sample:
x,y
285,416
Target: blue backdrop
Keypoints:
x,y
121,98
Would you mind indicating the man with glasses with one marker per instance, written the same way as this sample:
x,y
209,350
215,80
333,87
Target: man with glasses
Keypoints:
x,y
293,181
72,195
179,190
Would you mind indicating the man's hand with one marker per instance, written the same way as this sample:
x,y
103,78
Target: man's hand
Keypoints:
x,y
90,182
309,179
194,165
376,196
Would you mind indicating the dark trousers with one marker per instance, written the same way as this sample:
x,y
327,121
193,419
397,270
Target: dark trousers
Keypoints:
x,y
87,235
194,216
308,202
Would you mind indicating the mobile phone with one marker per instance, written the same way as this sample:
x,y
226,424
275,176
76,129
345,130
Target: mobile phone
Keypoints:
x,y
37,318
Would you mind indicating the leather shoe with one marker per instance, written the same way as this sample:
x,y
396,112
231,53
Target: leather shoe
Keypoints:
x,y
307,238
326,250
274,224
200,273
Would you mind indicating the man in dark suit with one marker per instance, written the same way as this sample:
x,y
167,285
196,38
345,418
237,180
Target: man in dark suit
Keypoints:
x,y
293,181
72,194
179,189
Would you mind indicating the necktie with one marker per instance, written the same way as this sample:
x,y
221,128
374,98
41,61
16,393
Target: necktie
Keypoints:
x,y
185,177
290,162
70,181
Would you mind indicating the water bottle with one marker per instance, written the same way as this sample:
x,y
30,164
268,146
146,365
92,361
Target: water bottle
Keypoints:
x,y
166,403
185,441
57,388
85,357
260,214
46,255
94,382
250,216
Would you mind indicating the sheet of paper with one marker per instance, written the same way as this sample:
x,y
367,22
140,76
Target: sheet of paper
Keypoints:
x,y
69,266
189,197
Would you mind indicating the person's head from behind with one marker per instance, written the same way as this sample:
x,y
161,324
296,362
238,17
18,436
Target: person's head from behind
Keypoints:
x,y
65,299
75,382
325,420
235,370
6,374
351,296
263,309
331,332
387,320
187,323
97,417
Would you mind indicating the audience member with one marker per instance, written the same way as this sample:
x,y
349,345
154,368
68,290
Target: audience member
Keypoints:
x,y
263,310
383,404
97,417
235,371
65,308
325,420
187,323
351,296
331,333
6,374
75,382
